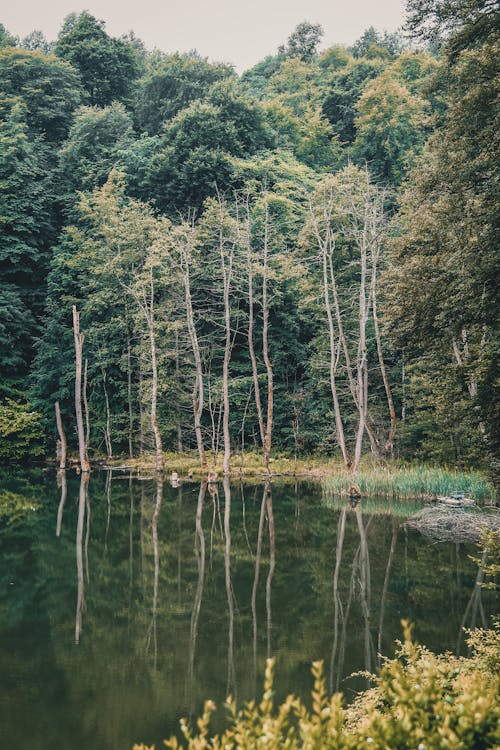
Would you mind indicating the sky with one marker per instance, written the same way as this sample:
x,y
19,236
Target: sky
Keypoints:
x,y
241,32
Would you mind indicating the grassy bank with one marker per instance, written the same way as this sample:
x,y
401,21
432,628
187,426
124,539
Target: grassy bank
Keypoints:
x,y
388,479
411,482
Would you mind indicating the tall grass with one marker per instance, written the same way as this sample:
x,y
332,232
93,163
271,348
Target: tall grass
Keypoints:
x,y
417,482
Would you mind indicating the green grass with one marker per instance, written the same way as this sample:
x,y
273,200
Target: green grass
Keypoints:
x,y
417,482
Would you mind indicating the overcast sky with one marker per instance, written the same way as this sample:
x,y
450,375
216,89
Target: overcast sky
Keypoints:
x,y
238,31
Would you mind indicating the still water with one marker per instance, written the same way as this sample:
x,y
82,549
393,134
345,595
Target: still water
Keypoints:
x,y
125,603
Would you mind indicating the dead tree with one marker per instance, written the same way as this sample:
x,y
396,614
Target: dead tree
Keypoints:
x,y
185,244
79,338
62,444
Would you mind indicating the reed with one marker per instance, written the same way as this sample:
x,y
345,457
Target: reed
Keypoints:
x,y
415,482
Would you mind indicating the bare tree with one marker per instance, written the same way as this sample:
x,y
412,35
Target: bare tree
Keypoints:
x,y
79,338
185,240
62,446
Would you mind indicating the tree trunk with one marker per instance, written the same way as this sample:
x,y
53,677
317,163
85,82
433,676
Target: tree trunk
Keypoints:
x,y
251,348
129,396
86,405
227,271
361,357
62,438
389,444
79,337
107,431
149,312
198,396
334,357
265,346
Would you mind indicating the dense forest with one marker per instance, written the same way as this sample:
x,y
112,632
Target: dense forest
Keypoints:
x,y
297,259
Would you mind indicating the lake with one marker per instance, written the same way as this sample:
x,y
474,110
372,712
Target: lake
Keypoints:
x,y
125,603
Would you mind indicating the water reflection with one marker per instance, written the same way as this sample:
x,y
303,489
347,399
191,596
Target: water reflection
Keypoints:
x,y
83,505
197,585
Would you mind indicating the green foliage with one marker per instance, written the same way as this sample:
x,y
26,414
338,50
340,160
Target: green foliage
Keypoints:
x,y
304,41
26,229
49,88
21,432
107,66
346,87
94,145
419,700
172,86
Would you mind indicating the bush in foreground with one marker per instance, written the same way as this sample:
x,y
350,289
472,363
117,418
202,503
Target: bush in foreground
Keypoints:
x,y
420,700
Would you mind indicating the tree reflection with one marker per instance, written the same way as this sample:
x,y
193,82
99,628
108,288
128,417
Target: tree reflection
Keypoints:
x,y
258,556
231,679
80,601
475,604
272,556
200,558
385,587
63,484
152,633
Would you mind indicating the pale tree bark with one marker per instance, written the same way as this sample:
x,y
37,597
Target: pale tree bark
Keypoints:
x,y
185,247
361,356
326,246
129,397
226,252
251,347
148,309
62,447
79,338
180,447
86,404
265,342
389,444
107,429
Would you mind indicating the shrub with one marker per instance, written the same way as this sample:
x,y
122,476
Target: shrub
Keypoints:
x,y
420,700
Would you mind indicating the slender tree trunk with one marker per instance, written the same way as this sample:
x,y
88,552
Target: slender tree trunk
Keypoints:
x,y
86,405
251,348
79,337
149,313
265,344
198,396
334,357
129,397
62,438
389,444
177,402
361,357
107,431
227,271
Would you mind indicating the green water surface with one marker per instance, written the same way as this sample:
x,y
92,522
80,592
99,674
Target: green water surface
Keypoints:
x,y
126,602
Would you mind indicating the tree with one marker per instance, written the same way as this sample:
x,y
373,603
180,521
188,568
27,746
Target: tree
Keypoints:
x,y
347,86
172,86
304,41
49,88
94,146
391,127
36,41
107,66
26,230
443,298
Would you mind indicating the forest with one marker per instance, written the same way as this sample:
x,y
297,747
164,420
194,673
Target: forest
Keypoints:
x,y
297,260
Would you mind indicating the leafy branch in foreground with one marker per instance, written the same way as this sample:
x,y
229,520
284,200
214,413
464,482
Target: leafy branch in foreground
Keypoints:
x,y
419,700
